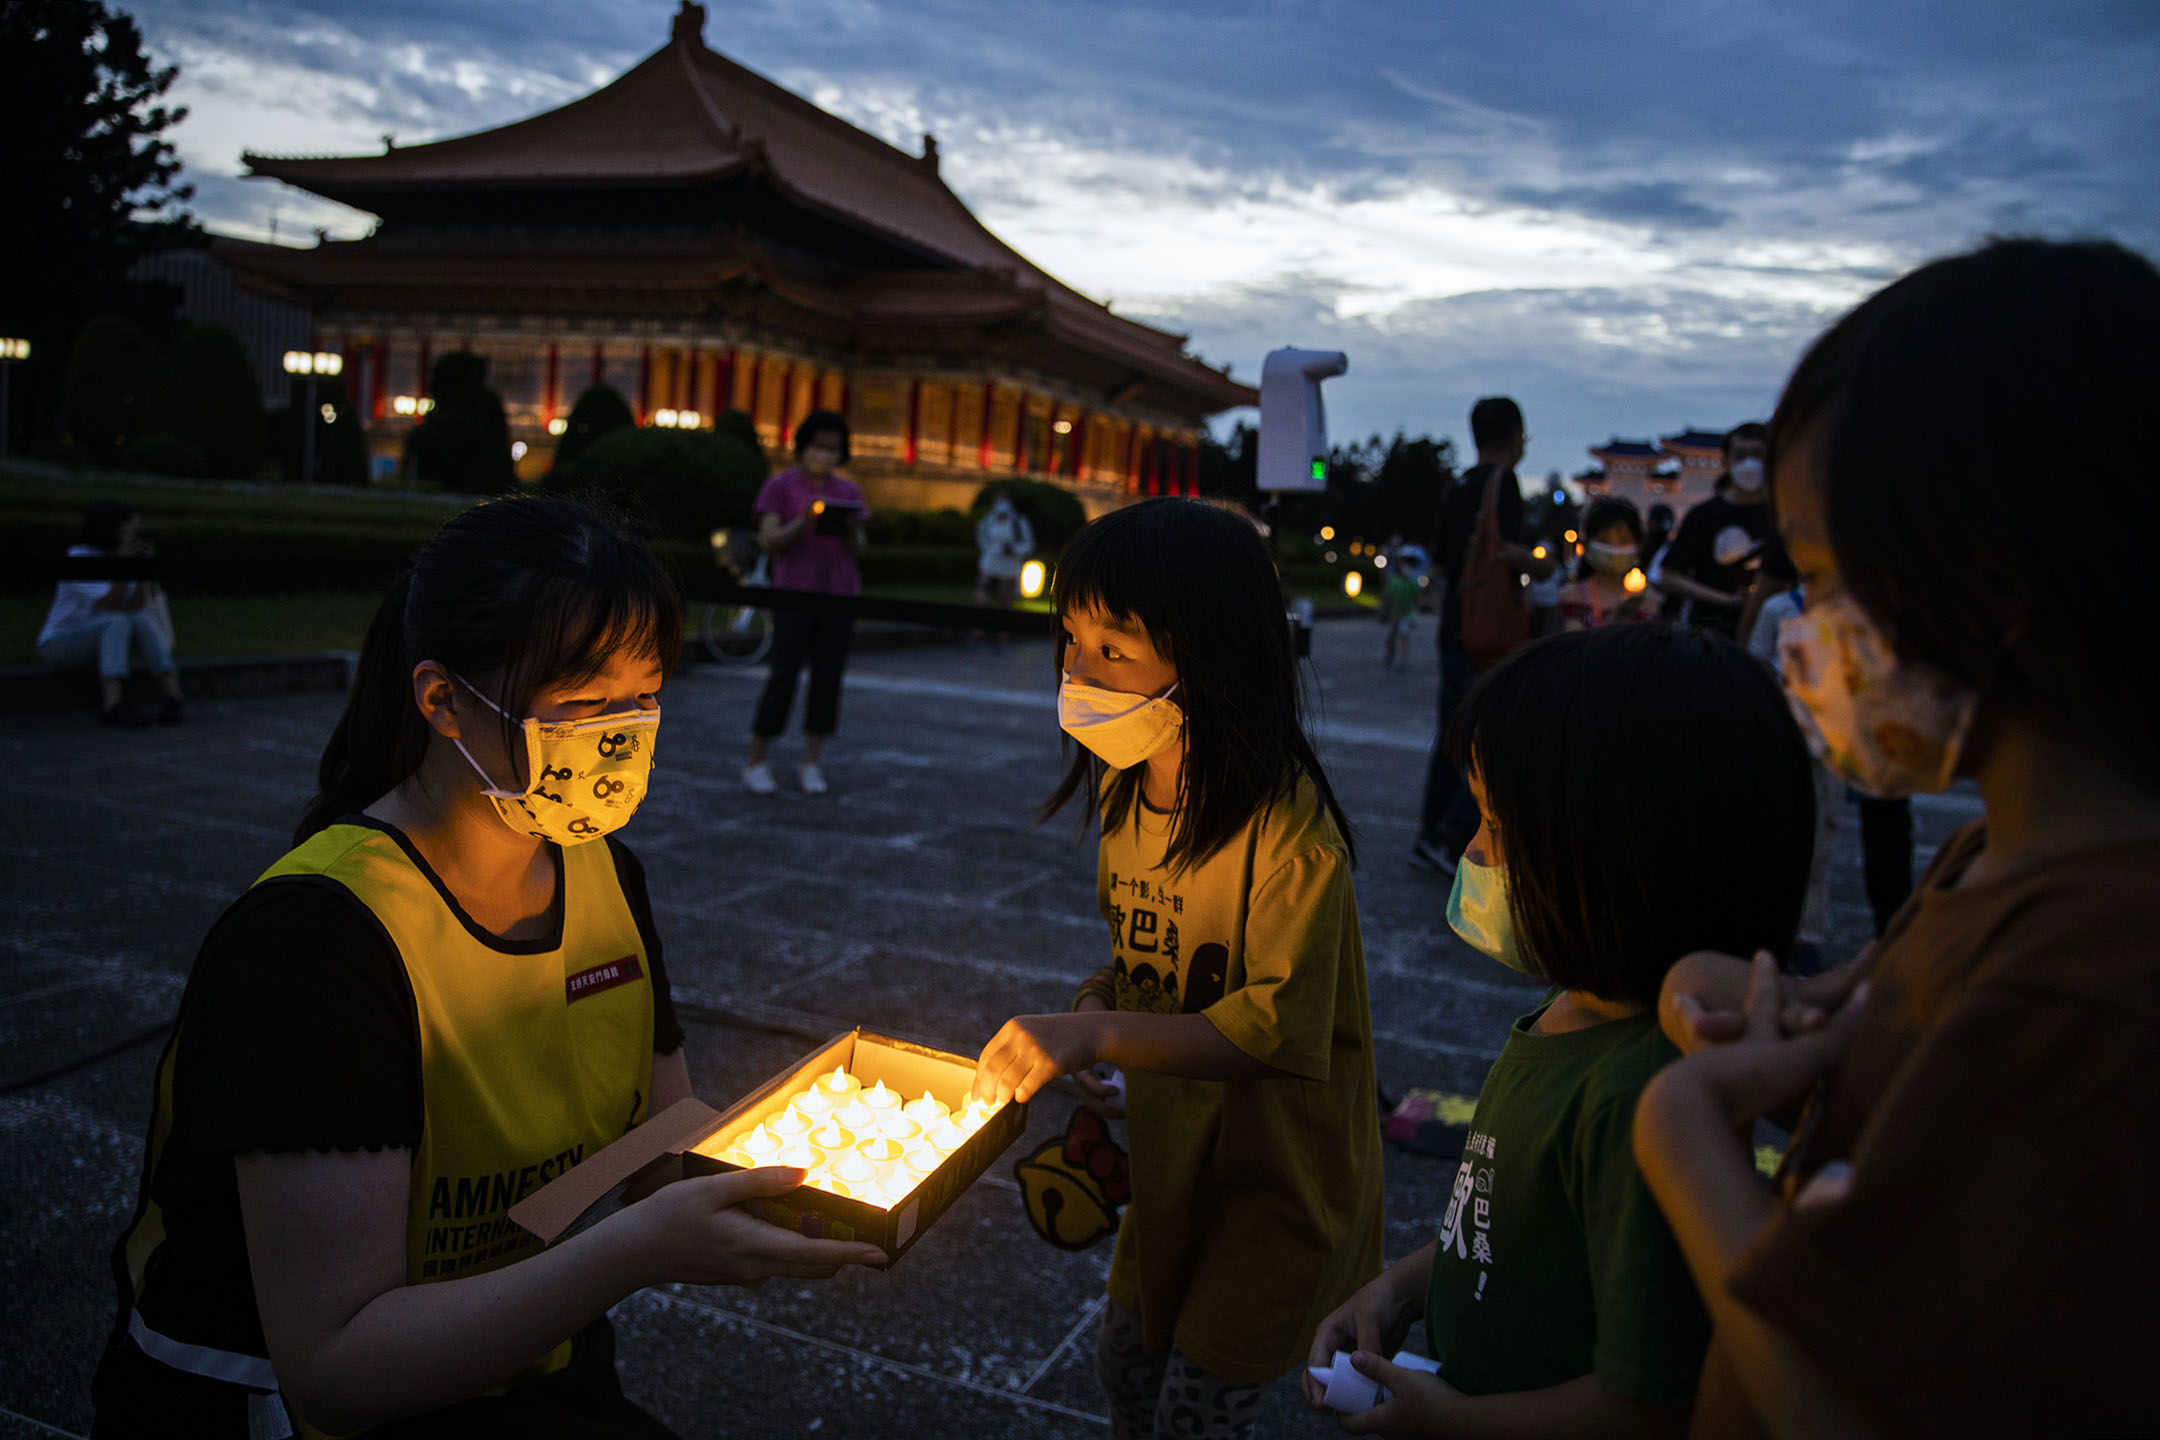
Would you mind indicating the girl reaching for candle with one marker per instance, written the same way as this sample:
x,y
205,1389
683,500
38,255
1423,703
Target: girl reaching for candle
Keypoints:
x,y
443,997
1235,1003
1642,793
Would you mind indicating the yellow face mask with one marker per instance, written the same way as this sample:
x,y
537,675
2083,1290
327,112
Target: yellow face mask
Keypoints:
x,y
588,776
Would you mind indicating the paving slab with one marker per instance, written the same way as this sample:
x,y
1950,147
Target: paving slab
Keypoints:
x,y
920,898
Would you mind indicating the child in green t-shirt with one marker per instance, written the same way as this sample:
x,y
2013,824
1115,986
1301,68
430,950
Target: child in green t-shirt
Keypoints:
x,y
1398,606
1643,793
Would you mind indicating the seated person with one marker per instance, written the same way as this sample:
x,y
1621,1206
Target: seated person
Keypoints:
x,y
107,622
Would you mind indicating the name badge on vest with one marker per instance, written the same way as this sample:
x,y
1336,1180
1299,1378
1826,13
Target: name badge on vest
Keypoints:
x,y
603,977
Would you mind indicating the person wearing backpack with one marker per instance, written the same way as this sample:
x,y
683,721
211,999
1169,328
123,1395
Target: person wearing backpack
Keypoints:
x,y
1484,551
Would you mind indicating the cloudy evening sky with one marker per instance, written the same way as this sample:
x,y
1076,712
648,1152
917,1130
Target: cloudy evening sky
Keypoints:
x,y
1630,214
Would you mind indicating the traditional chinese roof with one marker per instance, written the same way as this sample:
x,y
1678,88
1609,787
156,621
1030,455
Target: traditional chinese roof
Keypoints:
x,y
712,174
1694,439
1619,447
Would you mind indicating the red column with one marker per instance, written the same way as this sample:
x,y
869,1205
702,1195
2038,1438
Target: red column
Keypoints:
x,y
1020,419
914,418
989,399
787,401
379,368
1132,461
952,427
551,393
750,383
644,383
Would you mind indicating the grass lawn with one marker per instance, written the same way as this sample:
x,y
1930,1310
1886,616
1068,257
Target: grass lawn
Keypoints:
x,y
220,624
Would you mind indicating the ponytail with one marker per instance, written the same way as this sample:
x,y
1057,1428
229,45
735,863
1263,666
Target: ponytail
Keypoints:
x,y
381,736
521,593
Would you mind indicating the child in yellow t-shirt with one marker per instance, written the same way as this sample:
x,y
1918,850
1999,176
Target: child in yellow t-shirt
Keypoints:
x,y
1235,1003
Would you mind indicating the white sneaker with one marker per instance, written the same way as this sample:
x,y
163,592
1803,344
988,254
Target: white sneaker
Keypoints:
x,y
813,780
757,779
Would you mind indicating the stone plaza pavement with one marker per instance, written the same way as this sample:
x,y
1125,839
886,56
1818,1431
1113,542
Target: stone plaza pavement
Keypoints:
x,y
918,898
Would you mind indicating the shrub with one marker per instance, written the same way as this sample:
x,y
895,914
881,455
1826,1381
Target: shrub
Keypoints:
x,y
464,442
340,444
203,391
922,527
739,424
107,372
600,411
160,452
687,482
1055,512
919,565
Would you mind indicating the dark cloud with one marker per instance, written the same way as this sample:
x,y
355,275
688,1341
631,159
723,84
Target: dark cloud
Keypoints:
x,y
1660,204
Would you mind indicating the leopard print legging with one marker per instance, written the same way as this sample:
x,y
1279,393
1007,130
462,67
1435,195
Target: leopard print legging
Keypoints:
x,y
1161,1395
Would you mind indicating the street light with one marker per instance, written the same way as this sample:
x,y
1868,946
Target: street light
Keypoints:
x,y
1031,578
312,364
11,350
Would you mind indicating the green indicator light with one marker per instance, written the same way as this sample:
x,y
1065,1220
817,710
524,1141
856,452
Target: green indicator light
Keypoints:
x,y
1319,470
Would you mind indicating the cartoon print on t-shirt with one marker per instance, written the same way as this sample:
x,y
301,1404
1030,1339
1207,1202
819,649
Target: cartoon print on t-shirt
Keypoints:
x,y
1148,947
1206,978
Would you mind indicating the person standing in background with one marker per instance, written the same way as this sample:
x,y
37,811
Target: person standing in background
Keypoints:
x,y
810,519
1710,565
1449,816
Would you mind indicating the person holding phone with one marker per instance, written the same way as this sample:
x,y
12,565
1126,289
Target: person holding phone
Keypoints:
x,y
110,625
810,520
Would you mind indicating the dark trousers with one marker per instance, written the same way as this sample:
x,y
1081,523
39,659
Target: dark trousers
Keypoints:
x,y
798,635
1886,855
1449,816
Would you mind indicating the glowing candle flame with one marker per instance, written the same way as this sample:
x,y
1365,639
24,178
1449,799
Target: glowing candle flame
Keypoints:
x,y
927,1109
976,1116
799,1155
839,1082
1636,582
824,1181
759,1141
946,1137
896,1126
920,1160
831,1136
856,1115
788,1124
854,1170
814,1103
881,1150
881,1098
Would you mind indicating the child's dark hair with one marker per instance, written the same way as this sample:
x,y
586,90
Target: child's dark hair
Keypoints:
x,y
823,422
1652,797
515,595
1970,420
102,522
1198,579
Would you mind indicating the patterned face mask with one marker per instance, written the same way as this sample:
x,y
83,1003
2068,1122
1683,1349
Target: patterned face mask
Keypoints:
x,y
587,775
1883,726
1123,730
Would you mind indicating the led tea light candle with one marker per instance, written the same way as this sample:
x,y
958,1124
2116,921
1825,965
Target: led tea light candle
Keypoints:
x,y
975,1116
832,1137
814,1103
881,1098
839,1084
890,1191
856,1116
760,1145
926,1111
823,1180
946,1137
920,1160
853,1171
881,1152
789,1124
799,1155
894,1125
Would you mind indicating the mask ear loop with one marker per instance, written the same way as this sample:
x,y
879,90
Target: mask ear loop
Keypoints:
x,y
488,787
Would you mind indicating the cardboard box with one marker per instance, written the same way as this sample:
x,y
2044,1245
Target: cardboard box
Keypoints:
x,y
699,1135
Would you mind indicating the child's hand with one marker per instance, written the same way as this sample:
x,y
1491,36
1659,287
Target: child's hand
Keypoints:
x,y
1418,1405
1700,1005
1104,1099
1373,1320
1032,1050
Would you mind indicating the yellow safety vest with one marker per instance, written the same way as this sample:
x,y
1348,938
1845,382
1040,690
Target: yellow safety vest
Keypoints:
x,y
528,1063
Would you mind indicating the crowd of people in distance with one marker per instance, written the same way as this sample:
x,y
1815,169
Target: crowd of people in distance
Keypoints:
x,y
1900,591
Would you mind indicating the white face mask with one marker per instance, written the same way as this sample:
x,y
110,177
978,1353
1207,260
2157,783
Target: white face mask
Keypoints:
x,y
1611,559
1884,726
1123,730
588,776
1747,475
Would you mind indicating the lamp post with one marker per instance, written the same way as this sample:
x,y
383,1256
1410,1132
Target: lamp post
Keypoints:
x,y
311,364
11,350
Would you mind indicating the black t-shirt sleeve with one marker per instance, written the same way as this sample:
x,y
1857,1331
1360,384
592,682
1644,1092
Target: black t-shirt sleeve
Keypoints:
x,y
1776,564
300,1032
667,1031
1690,552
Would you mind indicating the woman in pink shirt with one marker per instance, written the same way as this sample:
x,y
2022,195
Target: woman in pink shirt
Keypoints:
x,y
810,519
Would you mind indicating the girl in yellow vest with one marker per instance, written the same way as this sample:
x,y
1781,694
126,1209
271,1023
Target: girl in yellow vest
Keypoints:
x,y
1235,1003
444,997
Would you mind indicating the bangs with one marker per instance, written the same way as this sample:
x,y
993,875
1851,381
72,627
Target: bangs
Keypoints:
x,y
609,605
1120,576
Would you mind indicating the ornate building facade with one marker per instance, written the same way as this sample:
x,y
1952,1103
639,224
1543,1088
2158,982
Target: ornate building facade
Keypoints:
x,y
702,239
1676,470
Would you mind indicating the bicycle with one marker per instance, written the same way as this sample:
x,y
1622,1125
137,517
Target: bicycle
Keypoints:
x,y
737,634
